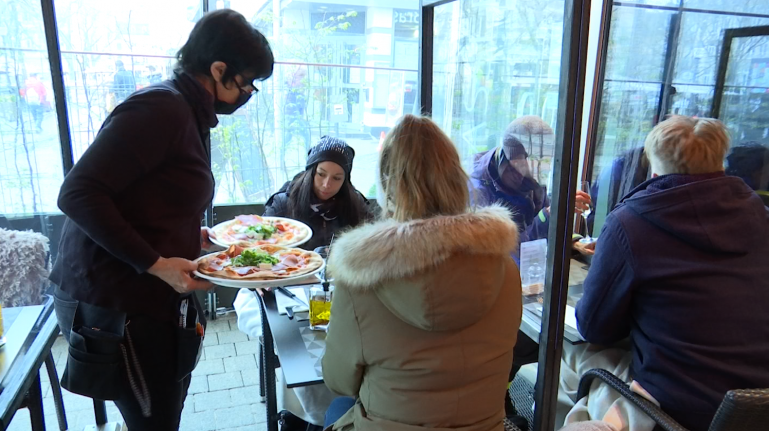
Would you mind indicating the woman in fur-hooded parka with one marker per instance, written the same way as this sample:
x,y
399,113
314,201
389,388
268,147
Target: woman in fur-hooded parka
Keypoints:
x,y
424,319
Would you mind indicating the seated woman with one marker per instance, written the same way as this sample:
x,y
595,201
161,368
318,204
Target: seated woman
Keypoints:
x,y
322,196
427,302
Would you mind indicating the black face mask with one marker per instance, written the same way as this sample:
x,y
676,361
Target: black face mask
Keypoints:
x,y
224,108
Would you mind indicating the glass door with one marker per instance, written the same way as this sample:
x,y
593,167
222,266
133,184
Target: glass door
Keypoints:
x,y
742,88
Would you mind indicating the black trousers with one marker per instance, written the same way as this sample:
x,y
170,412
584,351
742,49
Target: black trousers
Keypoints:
x,y
526,351
154,345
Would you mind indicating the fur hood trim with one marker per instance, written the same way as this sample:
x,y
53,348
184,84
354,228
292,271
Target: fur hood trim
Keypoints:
x,y
391,250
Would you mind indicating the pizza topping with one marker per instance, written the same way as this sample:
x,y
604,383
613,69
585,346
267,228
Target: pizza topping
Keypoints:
x,y
249,220
251,257
290,260
244,270
261,231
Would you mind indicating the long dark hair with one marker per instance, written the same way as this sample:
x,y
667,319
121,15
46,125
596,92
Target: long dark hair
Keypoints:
x,y
300,194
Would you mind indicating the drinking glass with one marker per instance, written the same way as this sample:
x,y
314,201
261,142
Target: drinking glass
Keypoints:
x,y
585,187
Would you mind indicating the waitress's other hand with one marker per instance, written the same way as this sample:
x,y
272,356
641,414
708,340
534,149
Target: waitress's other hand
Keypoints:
x,y
583,202
205,238
177,272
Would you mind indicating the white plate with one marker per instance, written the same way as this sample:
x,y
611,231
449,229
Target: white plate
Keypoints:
x,y
293,244
250,284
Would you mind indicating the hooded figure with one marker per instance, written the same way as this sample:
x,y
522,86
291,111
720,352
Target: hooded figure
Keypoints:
x,y
680,267
502,175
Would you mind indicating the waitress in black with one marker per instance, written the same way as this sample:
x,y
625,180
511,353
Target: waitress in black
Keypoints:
x,y
134,203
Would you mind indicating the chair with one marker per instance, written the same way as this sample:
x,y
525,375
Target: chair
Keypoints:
x,y
28,255
741,410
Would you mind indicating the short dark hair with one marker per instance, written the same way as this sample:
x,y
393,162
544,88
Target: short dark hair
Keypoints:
x,y
226,36
746,160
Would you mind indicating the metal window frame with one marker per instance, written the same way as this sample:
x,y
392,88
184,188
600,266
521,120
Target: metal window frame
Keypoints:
x,y
723,61
57,77
565,165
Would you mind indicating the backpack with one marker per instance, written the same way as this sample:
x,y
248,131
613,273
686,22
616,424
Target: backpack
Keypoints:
x,y
33,98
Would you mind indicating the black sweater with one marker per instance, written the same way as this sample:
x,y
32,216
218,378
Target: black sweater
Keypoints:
x,y
136,194
322,231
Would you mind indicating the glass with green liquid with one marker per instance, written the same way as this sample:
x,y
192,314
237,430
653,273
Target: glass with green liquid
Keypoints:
x,y
320,307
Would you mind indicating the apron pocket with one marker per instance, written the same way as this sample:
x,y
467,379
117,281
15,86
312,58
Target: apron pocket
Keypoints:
x,y
189,346
94,364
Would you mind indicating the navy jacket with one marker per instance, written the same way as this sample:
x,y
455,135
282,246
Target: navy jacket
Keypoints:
x,y
136,194
680,267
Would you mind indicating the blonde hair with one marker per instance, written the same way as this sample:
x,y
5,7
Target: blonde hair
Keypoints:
x,y
684,145
420,172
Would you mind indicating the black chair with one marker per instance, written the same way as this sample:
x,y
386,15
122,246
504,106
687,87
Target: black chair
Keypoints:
x,y
741,410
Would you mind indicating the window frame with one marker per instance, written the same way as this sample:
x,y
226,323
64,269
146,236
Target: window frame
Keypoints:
x,y
565,166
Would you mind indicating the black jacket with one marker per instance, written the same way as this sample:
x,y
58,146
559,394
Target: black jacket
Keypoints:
x,y
136,194
322,231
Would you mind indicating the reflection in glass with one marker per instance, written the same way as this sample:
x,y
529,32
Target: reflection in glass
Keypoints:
x,y
30,154
745,103
494,62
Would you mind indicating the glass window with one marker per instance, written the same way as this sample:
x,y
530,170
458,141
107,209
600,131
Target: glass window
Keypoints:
x,y
111,49
742,6
495,62
745,103
30,153
343,70
637,93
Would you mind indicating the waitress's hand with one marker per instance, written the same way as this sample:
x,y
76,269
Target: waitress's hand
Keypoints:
x,y
205,238
177,272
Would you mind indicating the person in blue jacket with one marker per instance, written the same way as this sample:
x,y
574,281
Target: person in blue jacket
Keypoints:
x,y
502,175
680,268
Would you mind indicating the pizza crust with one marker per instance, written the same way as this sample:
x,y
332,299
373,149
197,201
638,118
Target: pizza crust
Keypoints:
x,y
309,261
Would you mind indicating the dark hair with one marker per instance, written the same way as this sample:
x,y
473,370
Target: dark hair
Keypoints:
x,y
746,160
300,194
225,35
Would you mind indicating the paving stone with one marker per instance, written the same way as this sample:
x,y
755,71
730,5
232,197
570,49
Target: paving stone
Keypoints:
x,y
247,347
244,396
202,421
208,367
220,351
239,363
233,417
260,412
253,427
212,400
232,337
231,380
211,339
198,384
250,377
219,325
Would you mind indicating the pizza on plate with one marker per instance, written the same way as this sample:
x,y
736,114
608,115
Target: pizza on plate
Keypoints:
x,y
262,262
248,230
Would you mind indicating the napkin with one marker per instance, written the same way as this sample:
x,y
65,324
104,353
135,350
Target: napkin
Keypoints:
x,y
284,301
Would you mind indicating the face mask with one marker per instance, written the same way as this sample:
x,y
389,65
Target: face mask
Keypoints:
x,y
224,108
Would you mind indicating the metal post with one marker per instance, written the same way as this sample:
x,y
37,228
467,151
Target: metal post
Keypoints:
x,y
566,165
426,60
57,78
